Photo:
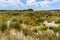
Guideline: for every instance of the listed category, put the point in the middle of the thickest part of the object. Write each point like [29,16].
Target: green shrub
[15,24]
[55,29]
[14,38]
[35,30]
[27,31]
[39,20]
[43,28]
[20,21]
[58,21]
[3,27]
[29,9]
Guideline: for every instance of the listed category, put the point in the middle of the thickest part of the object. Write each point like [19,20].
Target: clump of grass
[14,38]
[35,30]
[26,32]
[39,20]
[3,27]
[15,24]
[43,28]
[57,21]
[55,29]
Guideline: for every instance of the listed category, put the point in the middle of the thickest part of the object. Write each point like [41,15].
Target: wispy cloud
[10,4]
[47,3]
[30,2]
[15,4]
[44,3]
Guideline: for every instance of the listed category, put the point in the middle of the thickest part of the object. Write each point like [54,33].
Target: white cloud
[31,3]
[54,1]
[46,3]
[14,4]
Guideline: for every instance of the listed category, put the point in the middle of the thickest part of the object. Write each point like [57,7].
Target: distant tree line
[27,10]
[18,10]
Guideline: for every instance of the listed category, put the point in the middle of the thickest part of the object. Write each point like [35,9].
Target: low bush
[3,27]
[57,21]
[27,32]
[35,30]
[55,29]
[15,24]
[43,28]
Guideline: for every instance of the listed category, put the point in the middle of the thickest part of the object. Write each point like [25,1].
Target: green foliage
[43,28]
[58,21]
[29,9]
[3,27]
[20,21]
[31,18]
[27,31]
[55,29]
[39,20]
[14,38]
[35,30]
[15,24]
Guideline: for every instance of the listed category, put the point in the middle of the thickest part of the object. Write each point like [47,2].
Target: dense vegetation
[29,24]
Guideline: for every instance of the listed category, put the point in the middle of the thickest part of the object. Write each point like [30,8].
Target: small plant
[39,20]
[3,27]
[15,24]
[43,28]
[35,30]
[14,38]
[58,21]
[55,29]
[27,32]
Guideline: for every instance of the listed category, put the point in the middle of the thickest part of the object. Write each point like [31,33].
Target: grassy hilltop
[30,15]
[29,24]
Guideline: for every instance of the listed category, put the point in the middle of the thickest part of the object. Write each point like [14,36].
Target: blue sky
[26,4]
